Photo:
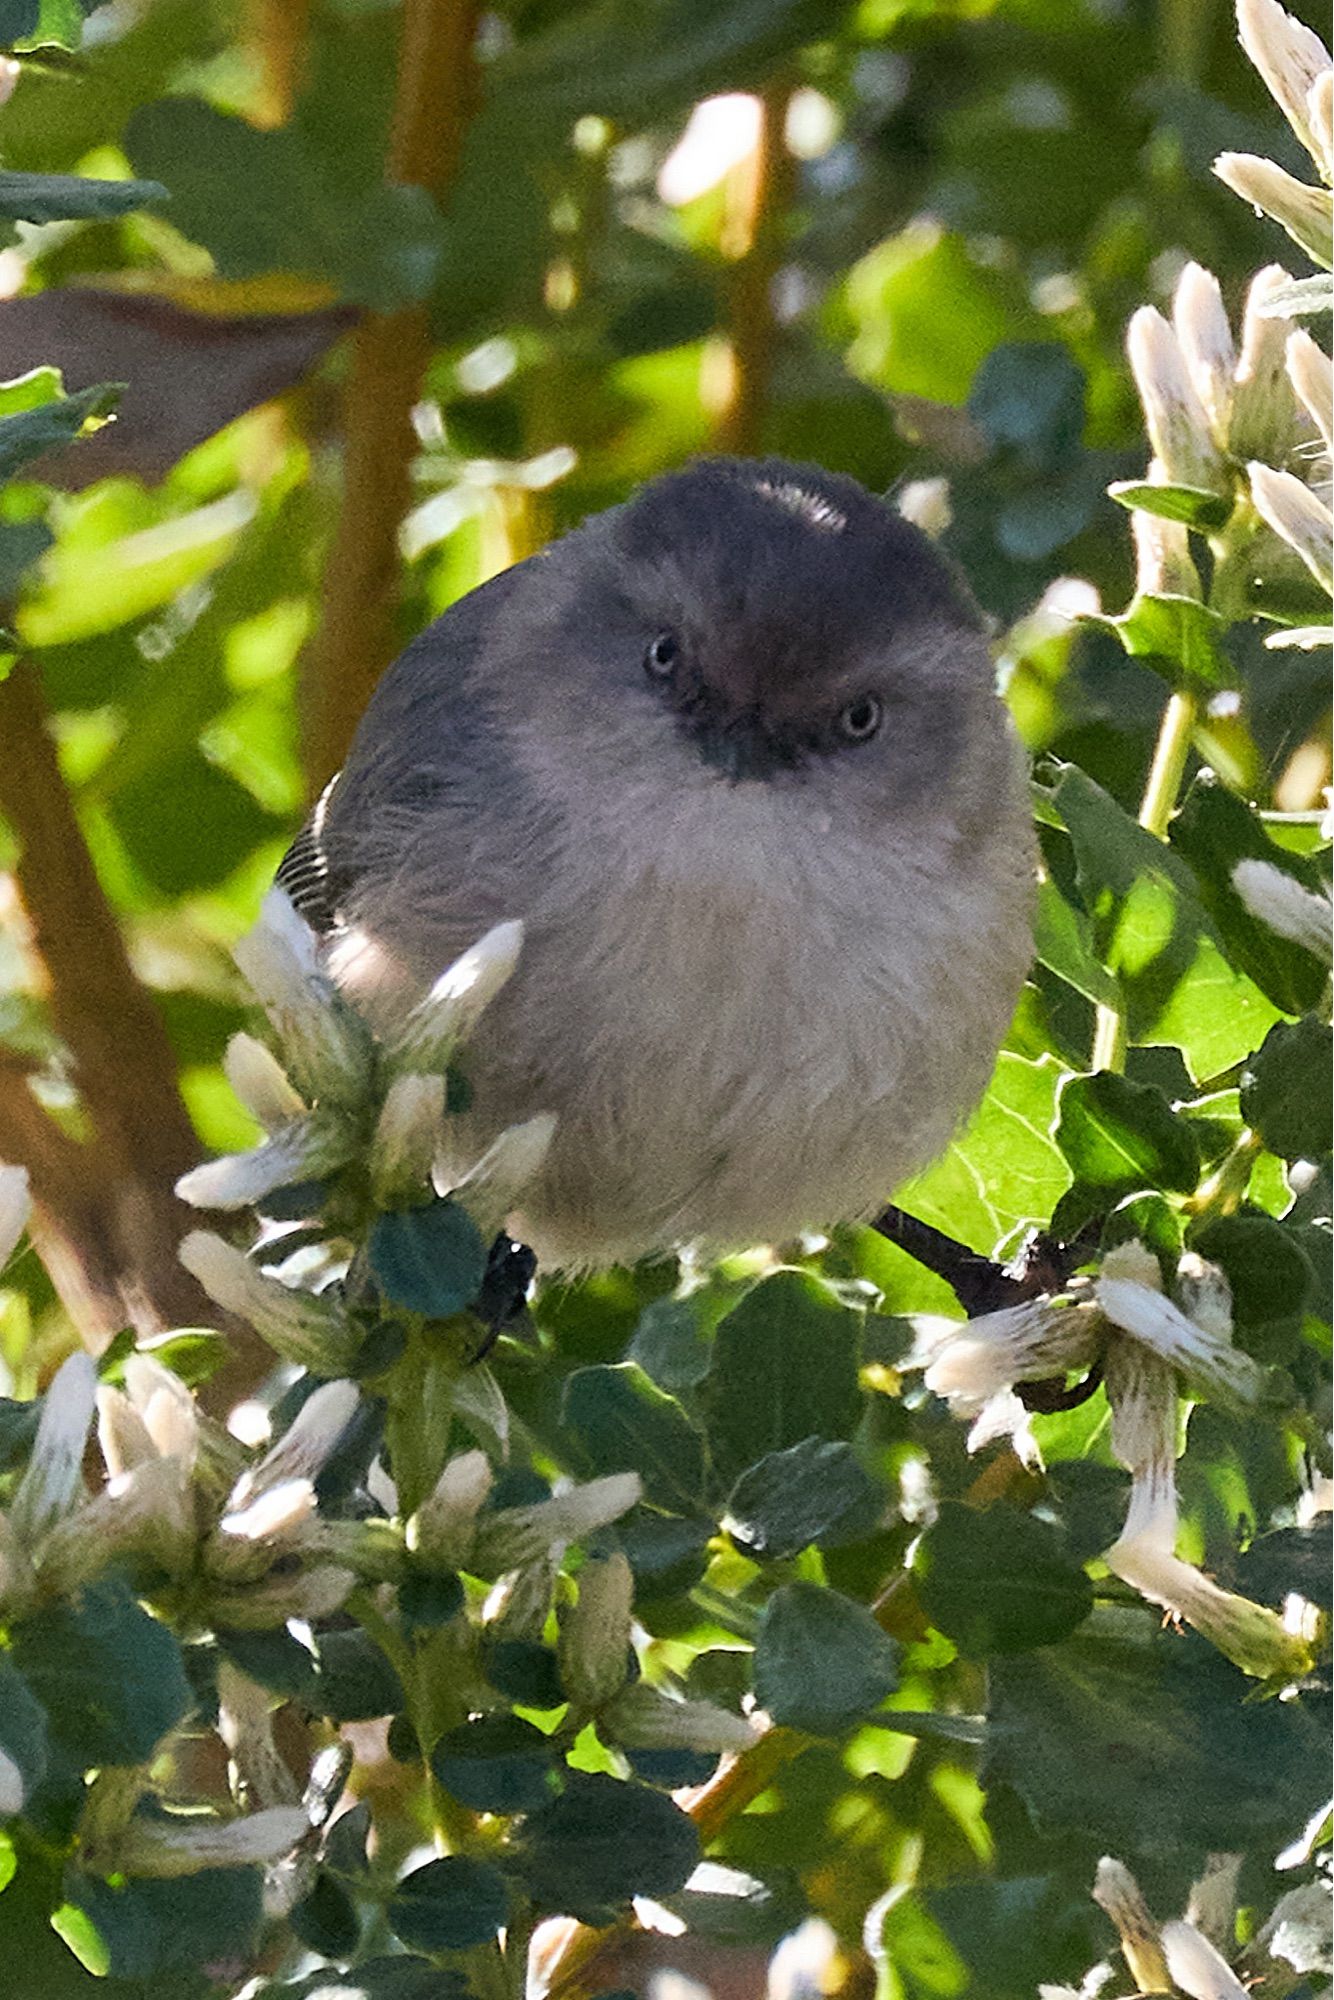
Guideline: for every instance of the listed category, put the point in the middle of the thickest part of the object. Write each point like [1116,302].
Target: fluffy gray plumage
[733,754]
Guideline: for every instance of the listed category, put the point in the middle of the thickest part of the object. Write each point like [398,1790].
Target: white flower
[14,1208]
[147,1513]
[1116,1891]
[1298,515]
[181,1844]
[312,1332]
[516,1536]
[406,1136]
[1291,59]
[641,1717]
[1164,565]
[257,1606]
[327,1047]
[460,996]
[1304,212]
[261,1082]
[52,1483]
[1127,1290]
[594,1643]
[1271,894]
[1292,1924]
[1311,374]
[1199,319]
[306,1444]
[490,1190]
[975,1364]
[1195,1966]
[1267,421]
[1174,416]
[11,1787]
[305,1150]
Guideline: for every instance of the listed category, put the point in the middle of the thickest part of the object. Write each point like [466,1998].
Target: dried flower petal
[1213,1899]
[165,1847]
[1206,1361]
[328,1049]
[1290,58]
[1267,421]
[260,1081]
[594,1644]
[407,1134]
[1304,212]
[516,1536]
[444,1525]
[1196,1968]
[312,1332]
[490,1190]
[1249,1635]
[1116,1891]
[980,1357]
[641,1717]
[1311,374]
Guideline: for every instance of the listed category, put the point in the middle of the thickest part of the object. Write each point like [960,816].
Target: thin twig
[758,230]
[390,351]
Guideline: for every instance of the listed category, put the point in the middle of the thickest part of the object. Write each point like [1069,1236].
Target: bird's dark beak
[741,749]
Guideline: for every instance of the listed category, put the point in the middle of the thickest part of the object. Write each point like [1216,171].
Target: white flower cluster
[1152,1350]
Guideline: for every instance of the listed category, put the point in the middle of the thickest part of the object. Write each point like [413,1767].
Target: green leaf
[1191,504]
[1147,1742]
[526,1671]
[342,1675]
[1287,1089]
[1120,1136]
[110,1678]
[149,1928]
[71,198]
[602,1842]
[53,422]
[1011,1935]
[1064,940]
[431,1259]
[1005,1173]
[1028,395]
[449,1905]
[23,1731]
[1270,1277]
[39,23]
[784,1369]
[1213,831]
[821,1661]
[623,1423]
[496,1764]
[21,545]
[326,1919]
[998,1581]
[1179,637]
[805,1494]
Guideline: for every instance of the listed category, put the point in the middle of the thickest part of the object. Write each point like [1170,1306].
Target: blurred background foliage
[418,288]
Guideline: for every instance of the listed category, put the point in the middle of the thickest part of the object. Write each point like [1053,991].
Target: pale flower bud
[490,1190]
[327,1047]
[1271,894]
[641,1717]
[1174,416]
[1290,58]
[260,1775]
[1311,374]
[926,503]
[443,1526]
[594,1642]
[1195,1966]
[257,1606]
[1205,338]
[312,1332]
[11,1787]
[1117,1892]
[406,1136]
[1298,515]
[517,1606]
[147,1513]
[1320,116]
[1213,1899]
[515,1536]
[51,1483]
[165,1406]
[1164,565]
[1304,212]
[306,1150]
[164,1847]
[307,1442]
[460,996]
[14,1207]
[121,1433]
[1266,420]
[260,1081]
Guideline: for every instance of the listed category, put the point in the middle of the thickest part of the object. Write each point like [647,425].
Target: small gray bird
[733,754]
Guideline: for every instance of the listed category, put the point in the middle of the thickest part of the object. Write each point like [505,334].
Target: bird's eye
[859,721]
[662,656]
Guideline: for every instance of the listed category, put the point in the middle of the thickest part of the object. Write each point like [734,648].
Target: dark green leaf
[671,1342]
[346,1678]
[37,23]
[1191,504]
[1289,1559]
[999,1581]
[326,1919]
[1146,1741]
[784,1369]
[427,1598]
[1065,945]
[622,1423]
[50,424]
[1213,831]
[345,1839]
[400,1977]
[71,198]
[431,1259]
[21,543]
[1270,1277]
[667,1552]
[449,1905]
[526,1671]
[1178,636]
[1091,1500]
[497,1764]
[18,1428]
[23,1733]
[1013,1934]
[805,1494]
[1121,1136]
[193,831]
[1287,1090]
[1029,395]
[111,1678]
[150,1928]
[821,1661]
[602,1842]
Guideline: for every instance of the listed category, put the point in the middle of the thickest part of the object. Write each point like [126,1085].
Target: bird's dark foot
[504,1289]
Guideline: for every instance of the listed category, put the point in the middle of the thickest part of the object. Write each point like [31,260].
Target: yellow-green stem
[1160,796]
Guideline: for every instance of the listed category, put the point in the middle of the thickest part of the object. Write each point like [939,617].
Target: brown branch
[755,235]
[390,351]
[107,1220]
